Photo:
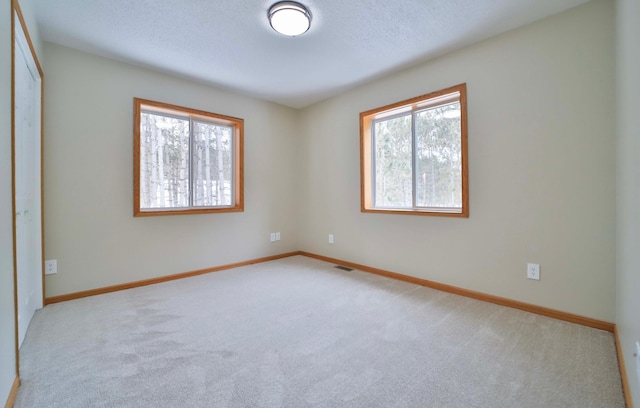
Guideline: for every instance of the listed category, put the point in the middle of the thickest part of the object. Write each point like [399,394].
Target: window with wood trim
[186,161]
[413,156]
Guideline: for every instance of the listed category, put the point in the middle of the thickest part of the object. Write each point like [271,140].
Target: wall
[7,311]
[541,169]
[628,238]
[90,228]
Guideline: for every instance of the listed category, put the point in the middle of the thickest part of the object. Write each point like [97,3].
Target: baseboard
[13,393]
[136,284]
[585,321]
[623,370]
[556,314]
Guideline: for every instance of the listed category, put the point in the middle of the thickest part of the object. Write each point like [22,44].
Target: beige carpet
[299,333]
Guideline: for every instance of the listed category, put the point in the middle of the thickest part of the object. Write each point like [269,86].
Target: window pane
[392,141]
[164,161]
[212,167]
[438,157]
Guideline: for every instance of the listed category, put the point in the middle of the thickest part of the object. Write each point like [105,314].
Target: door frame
[18,22]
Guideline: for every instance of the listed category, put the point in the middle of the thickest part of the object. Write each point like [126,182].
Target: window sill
[151,213]
[413,211]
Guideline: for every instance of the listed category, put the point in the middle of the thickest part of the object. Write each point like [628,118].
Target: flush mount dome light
[289,18]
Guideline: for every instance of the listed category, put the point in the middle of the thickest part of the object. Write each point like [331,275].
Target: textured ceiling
[229,43]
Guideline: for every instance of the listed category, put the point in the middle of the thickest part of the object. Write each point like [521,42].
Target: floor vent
[344,268]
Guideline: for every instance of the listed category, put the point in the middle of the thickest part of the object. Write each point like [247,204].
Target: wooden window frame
[237,166]
[366,158]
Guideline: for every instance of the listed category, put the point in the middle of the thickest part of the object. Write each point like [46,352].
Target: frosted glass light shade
[289,18]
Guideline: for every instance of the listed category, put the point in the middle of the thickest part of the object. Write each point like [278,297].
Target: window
[413,156]
[186,161]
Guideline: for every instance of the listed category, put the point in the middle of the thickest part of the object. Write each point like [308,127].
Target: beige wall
[7,311]
[542,181]
[628,242]
[541,166]
[88,167]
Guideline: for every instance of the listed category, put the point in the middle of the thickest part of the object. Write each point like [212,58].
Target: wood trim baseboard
[623,371]
[13,393]
[556,314]
[136,284]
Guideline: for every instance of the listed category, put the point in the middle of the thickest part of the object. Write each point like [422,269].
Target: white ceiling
[229,43]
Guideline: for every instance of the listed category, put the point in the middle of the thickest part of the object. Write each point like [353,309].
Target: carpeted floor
[299,333]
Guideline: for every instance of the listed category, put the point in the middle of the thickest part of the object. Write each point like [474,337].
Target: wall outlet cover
[638,360]
[50,267]
[533,271]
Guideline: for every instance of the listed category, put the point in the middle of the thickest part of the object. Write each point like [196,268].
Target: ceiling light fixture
[289,18]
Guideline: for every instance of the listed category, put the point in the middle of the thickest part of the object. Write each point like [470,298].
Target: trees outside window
[414,155]
[186,161]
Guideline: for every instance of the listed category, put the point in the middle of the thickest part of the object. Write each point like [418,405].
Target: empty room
[250,203]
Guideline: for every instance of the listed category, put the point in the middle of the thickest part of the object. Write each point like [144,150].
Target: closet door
[27,163]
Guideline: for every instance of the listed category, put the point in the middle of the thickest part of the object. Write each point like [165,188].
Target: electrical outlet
[272,236]
[50,267]
[331,238]
[533,271]
[277,236]
[638,360]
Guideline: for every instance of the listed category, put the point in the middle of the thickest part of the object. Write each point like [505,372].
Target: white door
[27,183]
